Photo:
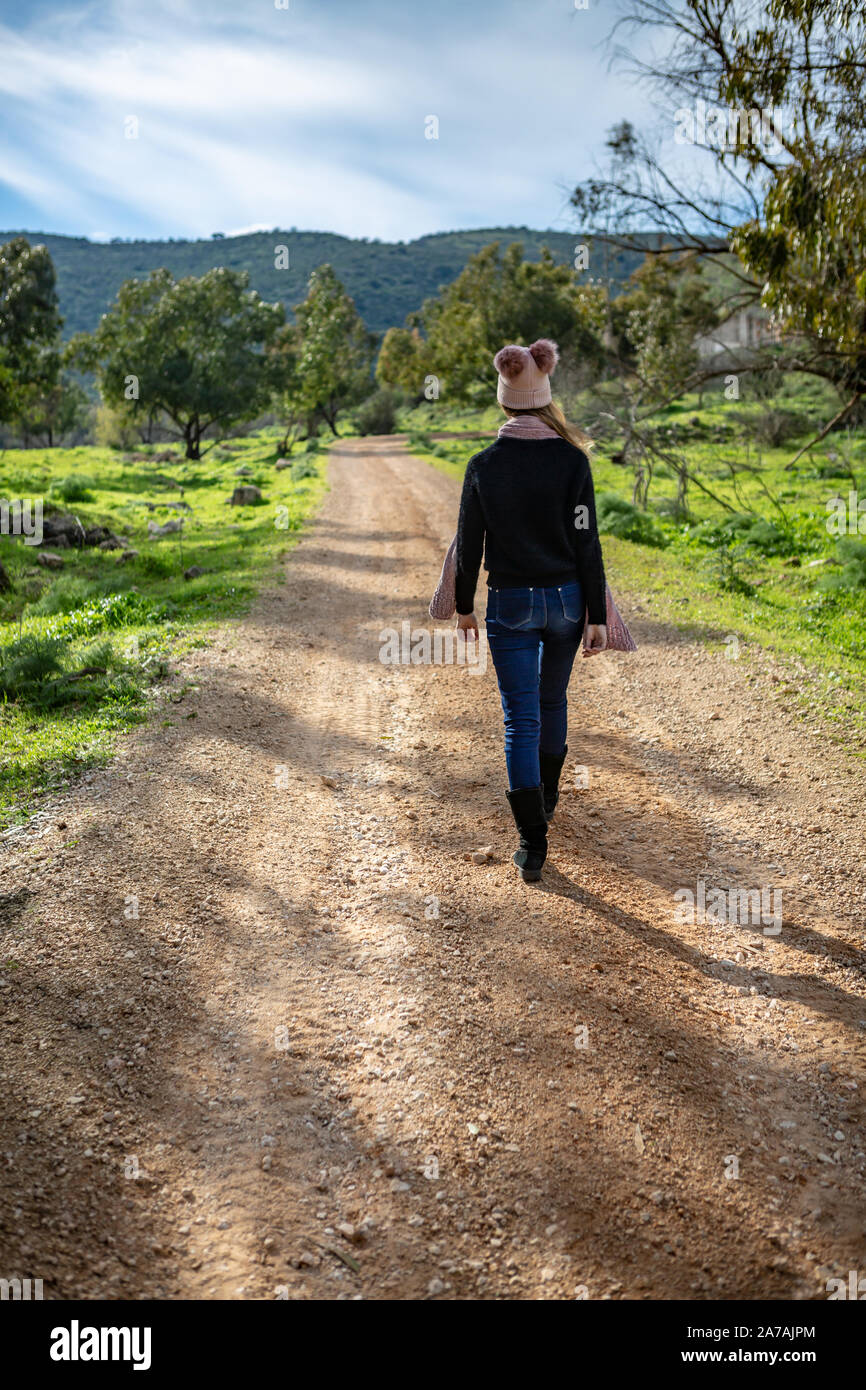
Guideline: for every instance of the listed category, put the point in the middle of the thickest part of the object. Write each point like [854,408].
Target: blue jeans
[533,636]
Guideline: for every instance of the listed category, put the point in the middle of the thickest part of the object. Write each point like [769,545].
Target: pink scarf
[526,427]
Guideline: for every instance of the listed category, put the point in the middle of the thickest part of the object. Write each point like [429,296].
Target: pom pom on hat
[510,361]
[545,354]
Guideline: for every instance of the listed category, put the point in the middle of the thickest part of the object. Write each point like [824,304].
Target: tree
[284,355]
[653,325]
[403,361]
[336,353]
[497,298]
[53,406]
[191,349]
[773,100]
[29,323]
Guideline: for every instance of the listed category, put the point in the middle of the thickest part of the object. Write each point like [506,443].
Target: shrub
[39,671]
[72,489]
[155,565]
[775,427]
[112,611]
[29,665]
[726,566]
[420,441]
[672,509]
[753,531]
[66,594]
[378,413]
[851,554]
[304,468]
[621,518]
[312,445]
[113,429]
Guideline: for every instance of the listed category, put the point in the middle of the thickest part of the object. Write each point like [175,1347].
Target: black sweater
[520,503]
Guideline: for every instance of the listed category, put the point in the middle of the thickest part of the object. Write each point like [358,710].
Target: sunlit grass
[157,613]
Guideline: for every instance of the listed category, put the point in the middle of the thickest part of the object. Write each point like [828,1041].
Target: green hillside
[387,280]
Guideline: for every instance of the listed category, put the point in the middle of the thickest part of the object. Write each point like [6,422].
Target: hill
[387,280]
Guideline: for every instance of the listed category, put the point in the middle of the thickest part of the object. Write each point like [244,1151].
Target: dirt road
[266,1032]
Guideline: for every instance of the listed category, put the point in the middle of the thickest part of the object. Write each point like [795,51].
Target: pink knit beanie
[524,374]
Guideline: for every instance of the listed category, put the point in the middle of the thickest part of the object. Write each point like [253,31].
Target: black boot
[527,807]
[551,767]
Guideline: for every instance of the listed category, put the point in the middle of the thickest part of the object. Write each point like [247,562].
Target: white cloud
[310,118]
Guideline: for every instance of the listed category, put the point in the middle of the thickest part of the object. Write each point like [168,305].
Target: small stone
[246,496]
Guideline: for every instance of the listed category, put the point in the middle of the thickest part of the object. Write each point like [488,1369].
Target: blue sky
[311,116]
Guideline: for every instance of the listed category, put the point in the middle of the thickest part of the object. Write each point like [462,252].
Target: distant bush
[304,468]
[837,468]
[775,427]
[621,518]
[851,554]
[312,446]
[113,429]
[73,489]
[672,509]
[755,532]
[728,566]
[156,565]
[378,413]
[420,440]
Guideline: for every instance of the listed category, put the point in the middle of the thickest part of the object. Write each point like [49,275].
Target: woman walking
[528,505]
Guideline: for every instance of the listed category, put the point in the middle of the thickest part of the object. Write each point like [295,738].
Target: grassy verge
[750,562]
[83,648]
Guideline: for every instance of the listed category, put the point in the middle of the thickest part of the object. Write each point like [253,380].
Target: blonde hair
[553,416]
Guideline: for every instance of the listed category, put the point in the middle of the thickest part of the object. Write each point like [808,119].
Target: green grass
[124,622]
[770,574]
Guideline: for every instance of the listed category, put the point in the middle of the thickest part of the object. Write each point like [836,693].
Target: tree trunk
[193,440]
[5,581]
[331,417]
[288,443]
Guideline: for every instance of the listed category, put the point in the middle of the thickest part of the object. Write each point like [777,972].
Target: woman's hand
[596,639]
[468,623]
